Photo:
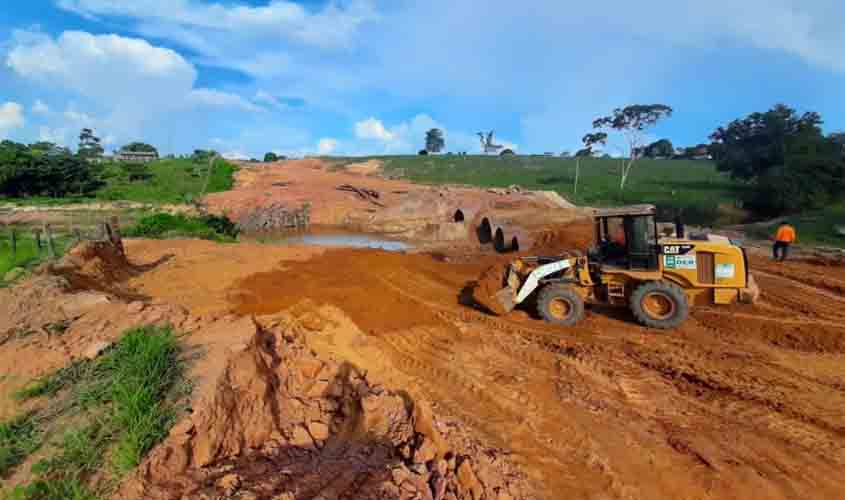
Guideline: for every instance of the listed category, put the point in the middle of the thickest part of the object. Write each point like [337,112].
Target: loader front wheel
[560,305]
[659,304]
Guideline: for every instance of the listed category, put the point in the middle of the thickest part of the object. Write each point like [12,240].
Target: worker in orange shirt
[784,237]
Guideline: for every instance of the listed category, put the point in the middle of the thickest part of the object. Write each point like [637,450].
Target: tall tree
[140,147]
[632,122]
[662,148]
[434,141]
[752,146]
[89,144]
[785,159]
[270,157]
[838,138]
[590,141]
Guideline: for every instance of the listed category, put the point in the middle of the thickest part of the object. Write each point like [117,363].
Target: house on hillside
[136,156]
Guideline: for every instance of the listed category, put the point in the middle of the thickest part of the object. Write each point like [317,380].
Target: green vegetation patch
[815,227]
[692,185]
[18,439]
[166,181]
[27,254]
[163,225]
[127,399]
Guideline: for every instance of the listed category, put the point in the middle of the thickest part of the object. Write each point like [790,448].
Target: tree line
[47,169]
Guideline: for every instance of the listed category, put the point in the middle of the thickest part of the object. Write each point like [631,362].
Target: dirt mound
[284,424]
[360,281]
[95,265]
[578,235]
[491,282]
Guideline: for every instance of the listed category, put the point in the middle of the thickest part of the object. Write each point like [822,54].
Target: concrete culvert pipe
[459,216]
[499,241]
[485,232]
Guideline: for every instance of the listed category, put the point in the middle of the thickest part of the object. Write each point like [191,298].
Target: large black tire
[560,305]
[660,304]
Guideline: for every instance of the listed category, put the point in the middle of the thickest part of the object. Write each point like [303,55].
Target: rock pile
[283,424]
[275,217]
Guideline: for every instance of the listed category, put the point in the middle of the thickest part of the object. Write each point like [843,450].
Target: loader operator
[784,237]
[614,243]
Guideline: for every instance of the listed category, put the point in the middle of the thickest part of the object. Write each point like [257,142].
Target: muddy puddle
[348,240]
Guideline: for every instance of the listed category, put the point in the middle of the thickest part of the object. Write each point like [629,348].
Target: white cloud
[217,98]
[409,137]
[11,117]
[125,84]
[371,128]
[327,146]
[39,108]
[235,155]
[210,27]
[56,136]
[80,118]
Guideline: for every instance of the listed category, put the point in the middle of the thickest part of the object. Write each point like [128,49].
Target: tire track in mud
[644,389]
[535,429]
[749,393]
[804,274]
[794,295]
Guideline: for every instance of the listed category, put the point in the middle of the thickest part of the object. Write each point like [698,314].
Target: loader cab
[627,238]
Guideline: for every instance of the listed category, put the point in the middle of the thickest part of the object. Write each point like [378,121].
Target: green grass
[27,255]
[816,227]
[127,396]
[171,181]
[163,225]
[695,186]
[18,439]
[50,385]
[146,367]
[52,489]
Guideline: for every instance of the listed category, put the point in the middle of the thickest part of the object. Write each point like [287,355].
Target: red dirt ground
[741,402]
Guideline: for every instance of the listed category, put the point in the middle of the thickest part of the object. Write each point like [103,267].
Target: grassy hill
[165,181]
[695,186]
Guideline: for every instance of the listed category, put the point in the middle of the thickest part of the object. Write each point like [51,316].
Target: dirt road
[741,402]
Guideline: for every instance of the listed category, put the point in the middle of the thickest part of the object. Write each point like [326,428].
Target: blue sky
[370,76]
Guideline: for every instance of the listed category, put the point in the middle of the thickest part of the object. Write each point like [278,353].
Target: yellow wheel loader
[659,279]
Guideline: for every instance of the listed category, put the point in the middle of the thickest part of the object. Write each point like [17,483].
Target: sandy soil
[741,399]
[412,211]
[741,402]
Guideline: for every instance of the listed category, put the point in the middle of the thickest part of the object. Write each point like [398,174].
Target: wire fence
[27,246]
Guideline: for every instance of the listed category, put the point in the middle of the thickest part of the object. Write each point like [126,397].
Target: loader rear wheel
[659,304]
[560,305]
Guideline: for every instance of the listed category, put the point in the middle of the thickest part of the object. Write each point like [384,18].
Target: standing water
[340,240]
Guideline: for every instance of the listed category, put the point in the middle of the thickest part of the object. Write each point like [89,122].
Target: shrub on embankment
[163,225]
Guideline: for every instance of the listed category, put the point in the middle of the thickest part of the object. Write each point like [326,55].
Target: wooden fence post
[14,241]
[36,234]
[51,247]
[117,238]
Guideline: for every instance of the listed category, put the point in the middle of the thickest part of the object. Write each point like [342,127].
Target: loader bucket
[497,289]
[506,297]
[751,293]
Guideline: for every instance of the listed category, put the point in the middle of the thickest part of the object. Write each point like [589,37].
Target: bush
[24,172]
[423,152]
[210,227]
